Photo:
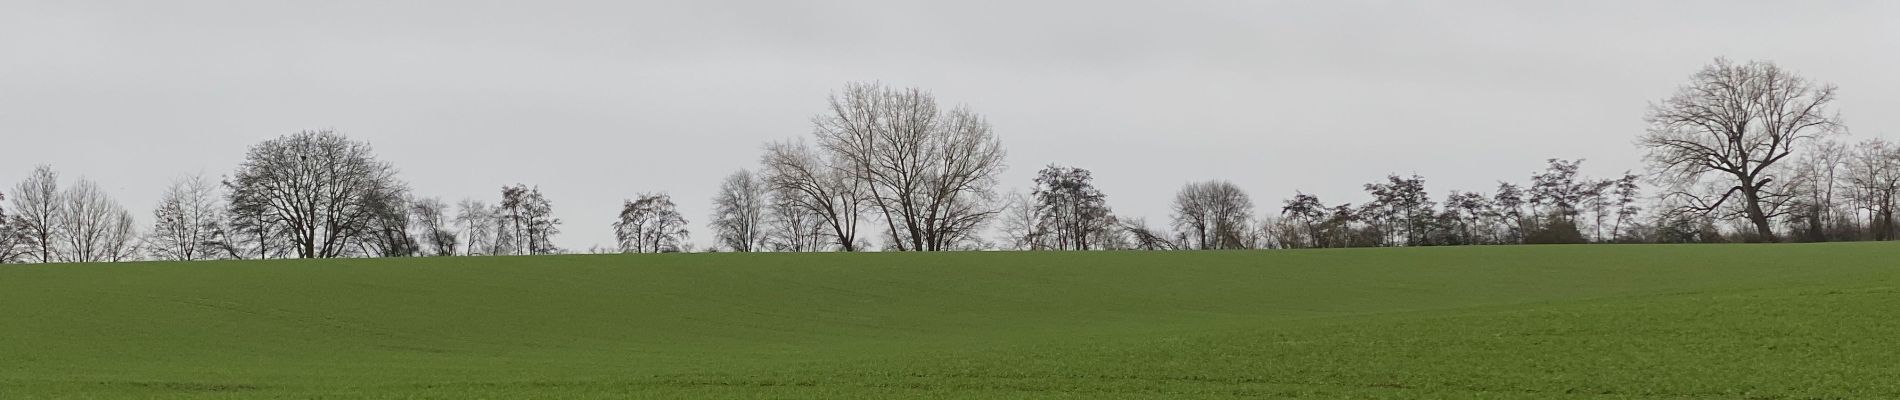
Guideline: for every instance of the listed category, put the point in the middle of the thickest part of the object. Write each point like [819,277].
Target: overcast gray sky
[596,101]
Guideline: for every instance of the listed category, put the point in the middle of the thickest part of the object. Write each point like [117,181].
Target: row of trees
[75,224]
[1740,153]
[1558,206]
[1743,152]
[313,194]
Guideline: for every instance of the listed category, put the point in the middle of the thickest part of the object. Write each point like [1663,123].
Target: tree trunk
[1883,230]
[1752,199]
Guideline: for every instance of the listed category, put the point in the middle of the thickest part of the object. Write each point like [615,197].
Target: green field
[1521,322]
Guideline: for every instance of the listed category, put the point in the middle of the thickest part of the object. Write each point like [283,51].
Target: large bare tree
[1718,140]
[93,227]
[1213,215]
[818,185]
[738,218]
[930,172]
[322,189]
[185,224]
[36,210]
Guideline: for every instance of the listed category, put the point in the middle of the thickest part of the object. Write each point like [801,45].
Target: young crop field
[1518,322]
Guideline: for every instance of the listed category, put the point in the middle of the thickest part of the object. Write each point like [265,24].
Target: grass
[1522,322]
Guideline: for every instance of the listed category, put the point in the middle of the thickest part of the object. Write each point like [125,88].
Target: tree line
[311,194]
[1743,152]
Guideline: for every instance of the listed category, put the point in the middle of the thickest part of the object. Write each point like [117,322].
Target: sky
[596,102]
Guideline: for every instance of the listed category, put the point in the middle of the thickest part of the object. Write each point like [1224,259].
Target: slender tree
[1022,226]
[1508,210]
[538,212]
[430,222]
[37,208]
[1627,190]
[1821,187]
[186,222]
[11,242]
[512,221]
[479,225]
[1307,215]
[1875,174]
[738,219]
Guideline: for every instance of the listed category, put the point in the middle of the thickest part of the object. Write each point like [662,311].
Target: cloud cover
[596,101]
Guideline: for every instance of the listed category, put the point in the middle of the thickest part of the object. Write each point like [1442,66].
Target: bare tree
[526,222]
[1818,175]
[1627,191]
[1720,136]
[1022,226]
[651,224]
[250,229]
[323,188]
[1560,189]
[792,227]
[1306,217]
[11,242]
[1471,208]
[1148,238]
[1071,211]
[1874,171]
[512,221]
[1507,208]
[186,222]
[37,208]
[479,224]
[428,216]
[541,224]
[93,227]
[387,230]
[1213,215]
[1401,210]
[930,173]
[820,185]
[1558,197]
[738,219]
